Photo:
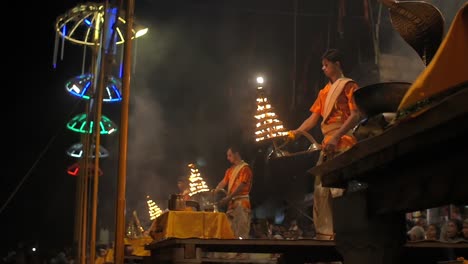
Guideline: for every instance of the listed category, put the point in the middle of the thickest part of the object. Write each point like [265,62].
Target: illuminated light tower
[153,209]
[99,27]
[196,182]
[268,126]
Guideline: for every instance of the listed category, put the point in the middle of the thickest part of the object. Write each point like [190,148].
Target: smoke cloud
[179,110]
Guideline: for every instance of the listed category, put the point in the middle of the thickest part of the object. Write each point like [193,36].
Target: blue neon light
[85,89]
[88,22]
[79,86]
[110,37]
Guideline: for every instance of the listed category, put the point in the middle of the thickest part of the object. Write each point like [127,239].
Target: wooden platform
[424,158]
[416,164]
[433,252]
[194,250]
[292,251]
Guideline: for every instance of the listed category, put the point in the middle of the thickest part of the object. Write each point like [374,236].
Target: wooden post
[97,133]
[122,173]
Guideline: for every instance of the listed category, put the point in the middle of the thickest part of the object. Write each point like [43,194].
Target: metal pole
[84,175]
[293,101]
[78,215]
[122,174]
[97,122]
[374,32]
[78,218]
[85,168]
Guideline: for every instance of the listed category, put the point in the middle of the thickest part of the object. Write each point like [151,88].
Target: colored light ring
[81,23]
[76,151]
[81,86]
[81,125]
[74,169]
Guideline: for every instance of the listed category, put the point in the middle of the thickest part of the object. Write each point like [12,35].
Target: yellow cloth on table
[138,245]
[191,224]
[448,68]
[109,258]
[100,260]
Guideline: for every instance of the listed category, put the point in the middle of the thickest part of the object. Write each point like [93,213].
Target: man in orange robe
[238,180]
[336,107]
[184,188]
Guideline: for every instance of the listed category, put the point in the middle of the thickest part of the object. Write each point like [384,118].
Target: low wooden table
[191,224]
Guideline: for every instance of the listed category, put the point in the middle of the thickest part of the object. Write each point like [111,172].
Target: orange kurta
[244,176]
[186,195]
[340,113]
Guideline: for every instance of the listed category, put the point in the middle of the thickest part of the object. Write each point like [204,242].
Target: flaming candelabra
[153,209]
[134,228]
[268,125]
[197,184]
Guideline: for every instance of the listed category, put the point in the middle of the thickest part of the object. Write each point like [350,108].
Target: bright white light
[33,249]
[260,80]
[75,88]
[141,32]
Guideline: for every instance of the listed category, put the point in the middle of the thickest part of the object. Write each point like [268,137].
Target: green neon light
[81,125]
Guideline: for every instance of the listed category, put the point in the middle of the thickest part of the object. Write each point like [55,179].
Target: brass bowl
[380,98]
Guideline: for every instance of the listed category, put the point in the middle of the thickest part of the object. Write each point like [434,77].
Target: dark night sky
[192,95]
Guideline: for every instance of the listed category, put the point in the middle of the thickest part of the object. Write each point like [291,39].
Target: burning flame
[196,182]
[268,125]
[153,210]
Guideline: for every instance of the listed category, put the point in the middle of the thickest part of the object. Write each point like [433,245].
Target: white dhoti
[322,214]
[239,217]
